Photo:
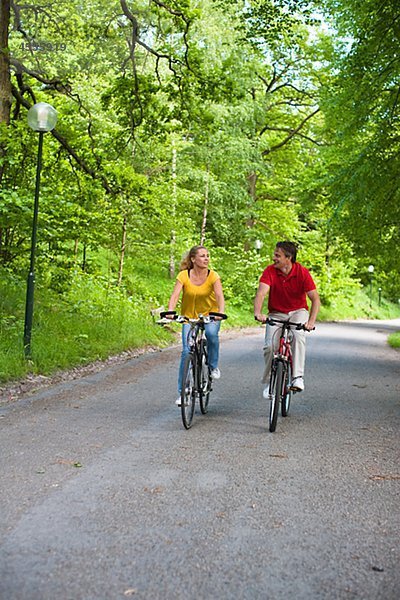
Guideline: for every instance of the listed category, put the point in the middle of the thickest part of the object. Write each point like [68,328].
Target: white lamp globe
[42,117]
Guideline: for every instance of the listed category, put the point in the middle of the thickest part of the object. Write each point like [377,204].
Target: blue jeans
[211,331]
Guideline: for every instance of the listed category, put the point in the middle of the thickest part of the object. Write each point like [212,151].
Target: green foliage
[360,306]
[240,122]
[394,339]
[362,114]
[93,318]
[90,321]
[239,272]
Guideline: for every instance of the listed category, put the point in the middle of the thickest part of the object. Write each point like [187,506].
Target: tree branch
[66,145]
[291,134]
[55,84]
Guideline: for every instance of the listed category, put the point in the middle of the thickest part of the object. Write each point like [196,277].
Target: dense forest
[184,121]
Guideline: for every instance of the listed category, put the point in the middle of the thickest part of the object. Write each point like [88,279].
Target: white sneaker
[215,373]
[179,403]
[266,393]
[297,384]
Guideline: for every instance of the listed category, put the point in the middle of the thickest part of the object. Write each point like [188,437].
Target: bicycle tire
[204,378]
[287,392]
[275,397]
[188,394]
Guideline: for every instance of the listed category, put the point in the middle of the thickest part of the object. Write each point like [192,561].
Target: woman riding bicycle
[202,294]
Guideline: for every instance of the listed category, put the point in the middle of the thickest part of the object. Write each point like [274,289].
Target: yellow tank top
[198,299]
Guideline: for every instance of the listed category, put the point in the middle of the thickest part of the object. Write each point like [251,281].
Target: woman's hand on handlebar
[169,314]
[217,316]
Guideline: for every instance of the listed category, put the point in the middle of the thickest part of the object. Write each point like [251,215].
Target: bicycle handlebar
[222,316]
[298,326]
[183,319]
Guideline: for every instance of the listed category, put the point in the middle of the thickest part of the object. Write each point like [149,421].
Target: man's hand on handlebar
[309,326]
[261,318]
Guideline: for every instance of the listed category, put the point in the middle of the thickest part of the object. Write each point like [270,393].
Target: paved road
[106,496]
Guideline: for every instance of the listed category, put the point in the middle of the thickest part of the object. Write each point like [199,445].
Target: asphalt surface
[106,496]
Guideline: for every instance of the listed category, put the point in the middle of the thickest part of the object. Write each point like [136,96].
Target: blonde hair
[187,260]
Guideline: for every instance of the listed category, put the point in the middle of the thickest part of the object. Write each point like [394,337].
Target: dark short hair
[289,249]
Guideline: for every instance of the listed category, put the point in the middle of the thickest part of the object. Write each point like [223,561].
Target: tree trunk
[205,207]
[173,237]
[123,246]
[252,184]
[252,180]
[84,258]
[5,81]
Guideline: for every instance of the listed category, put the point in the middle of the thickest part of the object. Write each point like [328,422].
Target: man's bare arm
[315,306]
[262,292]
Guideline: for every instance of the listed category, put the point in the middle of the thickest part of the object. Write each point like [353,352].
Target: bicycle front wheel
[188,394]
[286,392]
[204,379]
[275,397]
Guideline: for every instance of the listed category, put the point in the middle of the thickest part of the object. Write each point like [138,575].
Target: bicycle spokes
[188,395]
[204,383]
[286,393]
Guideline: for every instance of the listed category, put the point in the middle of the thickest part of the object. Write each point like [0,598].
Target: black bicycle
[197,381]
[280,390]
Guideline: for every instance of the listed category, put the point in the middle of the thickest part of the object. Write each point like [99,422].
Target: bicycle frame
[195,338]
[195,335]
[281,370]
[197,381]
[196,370]
[284,352]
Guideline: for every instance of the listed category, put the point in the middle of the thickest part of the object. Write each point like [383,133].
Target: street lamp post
[258,245]
[42,117]
[370,271]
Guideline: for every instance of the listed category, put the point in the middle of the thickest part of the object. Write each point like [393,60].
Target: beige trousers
[271,342]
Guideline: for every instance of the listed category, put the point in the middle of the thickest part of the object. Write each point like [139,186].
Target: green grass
[61,341]
[93,320]
[88,324]
[394,339]
[359,306]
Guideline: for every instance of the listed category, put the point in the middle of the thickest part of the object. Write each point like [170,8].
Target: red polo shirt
[287,292]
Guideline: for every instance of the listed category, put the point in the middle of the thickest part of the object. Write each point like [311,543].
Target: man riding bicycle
[288,284]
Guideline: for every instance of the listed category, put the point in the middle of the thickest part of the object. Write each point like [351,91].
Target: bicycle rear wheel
[287,392]
[204,379]
[275,397]
[188,394]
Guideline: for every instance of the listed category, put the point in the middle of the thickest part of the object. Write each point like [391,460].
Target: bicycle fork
[274,367]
